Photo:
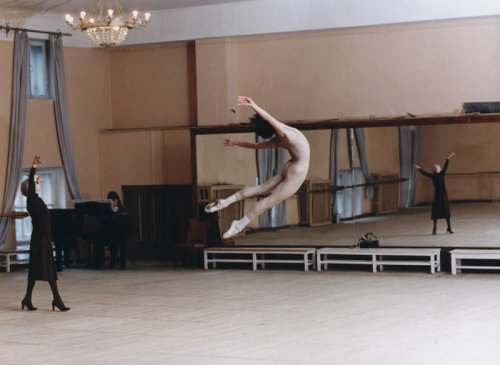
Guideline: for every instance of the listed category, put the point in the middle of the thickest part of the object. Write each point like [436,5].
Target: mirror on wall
[472,182]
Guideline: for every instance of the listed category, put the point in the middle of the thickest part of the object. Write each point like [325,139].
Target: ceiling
[180,20]
[74,6]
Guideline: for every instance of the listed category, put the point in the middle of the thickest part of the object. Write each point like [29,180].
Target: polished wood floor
[474,224]
[152,314]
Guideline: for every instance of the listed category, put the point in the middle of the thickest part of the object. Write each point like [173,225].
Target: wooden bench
[260,256]
[473,254]
[377,257]
[7,258]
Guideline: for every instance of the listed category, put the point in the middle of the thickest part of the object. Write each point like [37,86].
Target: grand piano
[91,221]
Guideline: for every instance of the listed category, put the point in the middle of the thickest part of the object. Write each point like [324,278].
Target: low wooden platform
[378,257]
[458,255]
[260,256]
[10,258]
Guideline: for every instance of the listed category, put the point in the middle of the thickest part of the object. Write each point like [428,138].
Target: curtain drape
[20,78]
[334,169]
[359,135]
[409,154]
[269,163]
[62,115]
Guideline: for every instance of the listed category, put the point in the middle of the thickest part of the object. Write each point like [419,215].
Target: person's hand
[451,155]
[416,166]
[229,142]
[243,100]
[36,160]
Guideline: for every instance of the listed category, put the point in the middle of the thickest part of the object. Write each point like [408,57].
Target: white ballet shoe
[236,227]
[213,207]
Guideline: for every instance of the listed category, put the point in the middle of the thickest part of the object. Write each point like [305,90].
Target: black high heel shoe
[448,230]
[28,305]
[60,306]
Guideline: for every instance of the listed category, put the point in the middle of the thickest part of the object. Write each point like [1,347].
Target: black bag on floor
[369,240]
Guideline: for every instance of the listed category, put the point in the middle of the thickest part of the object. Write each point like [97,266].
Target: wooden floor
[152,314]
[474,225]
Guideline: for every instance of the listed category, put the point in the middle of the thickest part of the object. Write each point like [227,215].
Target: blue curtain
[410,138]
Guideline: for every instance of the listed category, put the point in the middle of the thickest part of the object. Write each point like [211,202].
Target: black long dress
[42,265]
[440,205]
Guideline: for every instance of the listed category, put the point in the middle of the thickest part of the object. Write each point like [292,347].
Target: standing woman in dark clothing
[42,265]
[440,206]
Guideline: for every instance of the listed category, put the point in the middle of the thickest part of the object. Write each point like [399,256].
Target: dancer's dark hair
[262,127]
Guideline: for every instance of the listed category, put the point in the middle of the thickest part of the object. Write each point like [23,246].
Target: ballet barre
[473,254]
[377,258]
[260,256]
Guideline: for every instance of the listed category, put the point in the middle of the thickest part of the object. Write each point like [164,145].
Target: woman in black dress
[42,265]
[440,206]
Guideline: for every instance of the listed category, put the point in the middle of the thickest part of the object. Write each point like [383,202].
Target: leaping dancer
[279,187]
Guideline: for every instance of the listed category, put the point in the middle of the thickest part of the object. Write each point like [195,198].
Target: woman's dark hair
[114,195]
[262,127]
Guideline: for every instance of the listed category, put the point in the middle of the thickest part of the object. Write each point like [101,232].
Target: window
[349,201]
[52,191]
[40,70]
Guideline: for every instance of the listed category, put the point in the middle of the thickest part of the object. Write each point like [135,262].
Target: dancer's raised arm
[279,127]
[228,142]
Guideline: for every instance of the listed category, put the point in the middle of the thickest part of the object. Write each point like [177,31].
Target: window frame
[48,91]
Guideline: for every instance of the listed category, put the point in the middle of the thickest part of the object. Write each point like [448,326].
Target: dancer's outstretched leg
[434,227]
[246,192]
[283,191]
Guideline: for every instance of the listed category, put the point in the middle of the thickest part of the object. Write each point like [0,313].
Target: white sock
[220,204]
[236,227]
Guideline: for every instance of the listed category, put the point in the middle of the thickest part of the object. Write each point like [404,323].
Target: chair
[196,240]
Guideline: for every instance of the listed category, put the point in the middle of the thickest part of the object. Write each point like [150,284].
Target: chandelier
[106,24]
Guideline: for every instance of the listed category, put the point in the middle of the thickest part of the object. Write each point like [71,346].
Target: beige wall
[477,150]
[386,70]
[151,86]
[148,157]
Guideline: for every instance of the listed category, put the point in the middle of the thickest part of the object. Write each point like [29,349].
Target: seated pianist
[105,223]
[115,233]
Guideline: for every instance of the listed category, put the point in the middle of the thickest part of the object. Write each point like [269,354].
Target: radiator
[314,203]
[386,195]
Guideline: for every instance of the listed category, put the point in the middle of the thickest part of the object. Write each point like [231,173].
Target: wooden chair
[196,240]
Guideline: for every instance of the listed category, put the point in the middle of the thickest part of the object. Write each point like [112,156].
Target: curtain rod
[8,28]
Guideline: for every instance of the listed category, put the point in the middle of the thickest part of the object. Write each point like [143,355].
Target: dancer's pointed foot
[448,230]
[60,305]
[236,227]
[434,231]
[214,207]
[27,303]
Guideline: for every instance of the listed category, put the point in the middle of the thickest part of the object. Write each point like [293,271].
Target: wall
[153,86]
[145,157]
[477,151]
